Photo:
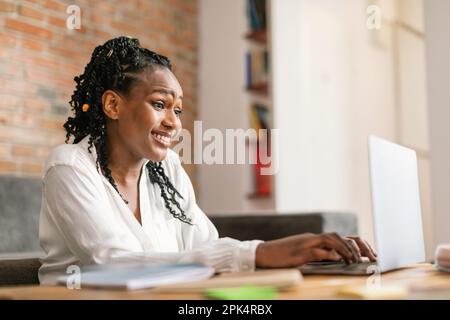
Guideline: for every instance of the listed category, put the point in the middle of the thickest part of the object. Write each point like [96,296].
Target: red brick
[49,123]
[23,150]
[126,29]
[18,119]
[36,61]
[47,63]
[37,76]
[57,22]
[12,69]
[101,34]
[54,5]
[4,150]
[70,49]
[32,45]
[145,6]
[7,40]
[99,18]
[7,6]
[108,8]
[27,28]
[5,54]
[71,68]
[34,168]
[8,102]
[190,6]
[29,151]
[7,166]
[36,105]
[31,13]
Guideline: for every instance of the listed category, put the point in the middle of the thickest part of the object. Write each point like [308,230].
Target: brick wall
[39,57]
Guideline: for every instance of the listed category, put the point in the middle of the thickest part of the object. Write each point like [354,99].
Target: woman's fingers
[373,254]
[355,248]
[365,248]
[371,248]
[352,247]
[319,254]
[333,241]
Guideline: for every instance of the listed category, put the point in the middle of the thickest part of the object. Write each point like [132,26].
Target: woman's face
[149,117]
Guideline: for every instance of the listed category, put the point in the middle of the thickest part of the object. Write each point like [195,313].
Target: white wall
[437,28]
[333,85]
[412,101]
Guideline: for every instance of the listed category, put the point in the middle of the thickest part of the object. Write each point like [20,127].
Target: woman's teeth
[161,138]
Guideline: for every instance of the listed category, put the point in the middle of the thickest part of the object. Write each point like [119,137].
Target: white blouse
[84,220]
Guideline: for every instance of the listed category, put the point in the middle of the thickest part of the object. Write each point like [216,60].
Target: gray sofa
[274,226]
[20,199]
[19,217]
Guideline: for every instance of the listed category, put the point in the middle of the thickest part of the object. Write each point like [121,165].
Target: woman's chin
[157,155]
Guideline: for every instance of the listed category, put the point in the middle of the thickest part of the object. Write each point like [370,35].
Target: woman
[118,193]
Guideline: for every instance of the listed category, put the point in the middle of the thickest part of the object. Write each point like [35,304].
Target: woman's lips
[162,138]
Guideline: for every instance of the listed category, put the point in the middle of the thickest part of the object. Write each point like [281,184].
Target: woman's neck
[125,166]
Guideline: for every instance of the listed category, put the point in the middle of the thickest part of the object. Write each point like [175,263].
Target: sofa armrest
[19,268]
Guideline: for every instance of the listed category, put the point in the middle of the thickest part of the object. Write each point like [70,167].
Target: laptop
[397,217]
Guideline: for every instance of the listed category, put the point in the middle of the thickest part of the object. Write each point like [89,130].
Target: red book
[262,182]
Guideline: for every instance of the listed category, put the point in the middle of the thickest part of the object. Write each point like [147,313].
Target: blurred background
[324,73]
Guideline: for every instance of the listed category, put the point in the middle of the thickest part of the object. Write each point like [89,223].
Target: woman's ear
[111,102]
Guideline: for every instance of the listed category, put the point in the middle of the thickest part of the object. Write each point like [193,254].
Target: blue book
[248,69]
[254,21]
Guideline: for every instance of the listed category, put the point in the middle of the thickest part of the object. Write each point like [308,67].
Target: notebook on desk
[137,276]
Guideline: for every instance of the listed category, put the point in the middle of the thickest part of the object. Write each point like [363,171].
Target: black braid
[157,175]
[113,66]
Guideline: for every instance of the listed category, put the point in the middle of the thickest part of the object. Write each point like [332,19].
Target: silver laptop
[397,217]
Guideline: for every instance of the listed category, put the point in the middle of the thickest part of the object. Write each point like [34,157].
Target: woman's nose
[170,119]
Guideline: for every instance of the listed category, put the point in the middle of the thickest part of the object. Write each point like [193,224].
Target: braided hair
[114,66]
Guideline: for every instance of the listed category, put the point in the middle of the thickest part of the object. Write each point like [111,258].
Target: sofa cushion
[20,198]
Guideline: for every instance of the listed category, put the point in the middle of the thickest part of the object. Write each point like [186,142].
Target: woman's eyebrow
[167,92]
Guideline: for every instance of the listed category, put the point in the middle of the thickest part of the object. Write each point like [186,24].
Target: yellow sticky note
[383,292]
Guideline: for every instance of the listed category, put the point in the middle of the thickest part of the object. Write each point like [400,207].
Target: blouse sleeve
[80,211]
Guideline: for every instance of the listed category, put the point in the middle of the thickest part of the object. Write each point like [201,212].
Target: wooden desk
[422,280]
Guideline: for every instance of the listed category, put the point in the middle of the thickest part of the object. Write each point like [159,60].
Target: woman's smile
[162,138]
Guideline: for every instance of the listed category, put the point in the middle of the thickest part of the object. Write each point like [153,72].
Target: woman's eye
[178,112]
[158,105]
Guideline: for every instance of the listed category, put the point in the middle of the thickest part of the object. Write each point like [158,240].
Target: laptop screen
[396,204]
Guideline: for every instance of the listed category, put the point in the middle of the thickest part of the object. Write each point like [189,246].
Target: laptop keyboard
[364,268]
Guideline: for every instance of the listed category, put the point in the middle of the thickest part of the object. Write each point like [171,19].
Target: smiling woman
[119,194]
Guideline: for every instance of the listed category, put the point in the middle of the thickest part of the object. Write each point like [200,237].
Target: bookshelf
[257,77]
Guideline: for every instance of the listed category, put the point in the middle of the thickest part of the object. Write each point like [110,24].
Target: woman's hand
[363,248]
[297,250]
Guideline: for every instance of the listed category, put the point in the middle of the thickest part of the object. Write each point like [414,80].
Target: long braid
[113,66]
[168,191]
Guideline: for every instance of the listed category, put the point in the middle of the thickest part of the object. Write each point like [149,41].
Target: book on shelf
[256,13]
[259,118]
[262,183]
[257,69]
